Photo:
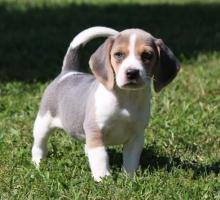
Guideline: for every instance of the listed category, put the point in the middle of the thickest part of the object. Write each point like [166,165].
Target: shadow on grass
[33,42]
[152,161]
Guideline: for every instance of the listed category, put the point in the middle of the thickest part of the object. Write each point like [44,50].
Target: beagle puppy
[110,107]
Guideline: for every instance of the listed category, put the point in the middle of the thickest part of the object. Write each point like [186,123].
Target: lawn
[181,158]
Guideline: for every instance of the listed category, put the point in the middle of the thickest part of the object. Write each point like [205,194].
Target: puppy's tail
[71,61]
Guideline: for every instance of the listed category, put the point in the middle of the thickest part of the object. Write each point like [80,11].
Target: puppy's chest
[121,120]
[121,125]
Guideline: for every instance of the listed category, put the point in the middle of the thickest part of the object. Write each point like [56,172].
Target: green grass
[181,158]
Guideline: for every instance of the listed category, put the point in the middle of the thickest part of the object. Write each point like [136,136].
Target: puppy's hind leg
[41,131]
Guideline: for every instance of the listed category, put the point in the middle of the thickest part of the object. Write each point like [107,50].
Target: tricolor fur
[110,107]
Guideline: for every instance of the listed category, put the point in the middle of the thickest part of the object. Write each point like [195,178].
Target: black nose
[132,73]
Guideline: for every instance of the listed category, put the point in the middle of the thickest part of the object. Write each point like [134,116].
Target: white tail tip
[90,33]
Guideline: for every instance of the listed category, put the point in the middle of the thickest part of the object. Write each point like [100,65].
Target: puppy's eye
[119,56]
[147,56]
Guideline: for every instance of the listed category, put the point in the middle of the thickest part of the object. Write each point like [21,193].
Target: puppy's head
[131,58]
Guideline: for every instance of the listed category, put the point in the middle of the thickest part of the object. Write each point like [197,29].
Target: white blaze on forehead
[131,47]
[130,62]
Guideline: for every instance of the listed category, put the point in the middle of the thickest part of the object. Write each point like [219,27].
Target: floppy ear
[100,64]
[167,66]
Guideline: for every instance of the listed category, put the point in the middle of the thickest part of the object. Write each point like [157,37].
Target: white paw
[99,175]
[37,155]
[36,161]
[98,161]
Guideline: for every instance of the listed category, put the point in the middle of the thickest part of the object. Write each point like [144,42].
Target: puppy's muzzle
[134,79]
[132,74]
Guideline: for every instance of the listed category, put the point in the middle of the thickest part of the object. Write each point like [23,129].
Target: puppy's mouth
[133,84]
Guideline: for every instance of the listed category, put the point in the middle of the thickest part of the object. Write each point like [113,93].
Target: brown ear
[100,64]
[167,66]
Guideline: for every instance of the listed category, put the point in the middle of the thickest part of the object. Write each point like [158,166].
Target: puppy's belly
[75,132]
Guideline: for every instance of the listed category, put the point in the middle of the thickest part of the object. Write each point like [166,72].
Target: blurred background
[35,34]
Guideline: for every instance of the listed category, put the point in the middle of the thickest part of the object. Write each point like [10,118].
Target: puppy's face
[131,58]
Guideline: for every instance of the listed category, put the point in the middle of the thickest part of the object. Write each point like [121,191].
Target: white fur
[41,131]
[99,163]
[130,62]
[68,75]
[105,105]
[107,109]
[91,33]
[56,123]
[111,114]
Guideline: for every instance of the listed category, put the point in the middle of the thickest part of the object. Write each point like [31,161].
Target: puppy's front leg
[98,157]
[131,153]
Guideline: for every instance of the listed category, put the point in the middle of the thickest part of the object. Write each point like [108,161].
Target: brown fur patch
[145,43]
[120,45]
[94,139]
[100,64]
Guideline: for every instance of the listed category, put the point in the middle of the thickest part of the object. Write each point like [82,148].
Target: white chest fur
[120,116]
